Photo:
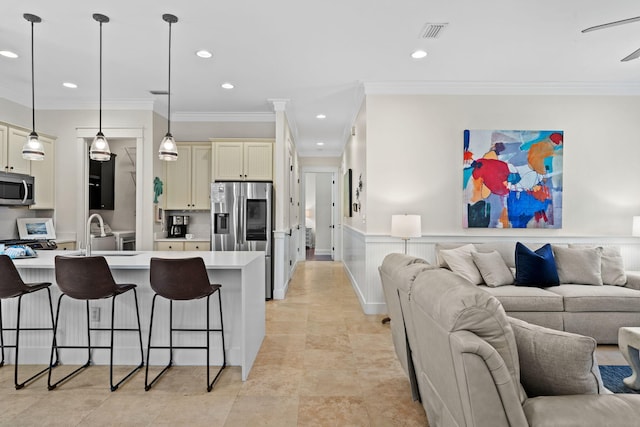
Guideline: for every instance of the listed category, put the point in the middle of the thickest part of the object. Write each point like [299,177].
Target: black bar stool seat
[183,279]
[89,278]
[12,286]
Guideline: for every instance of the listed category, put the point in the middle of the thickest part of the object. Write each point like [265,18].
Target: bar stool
[86,279]
[182,279]
[11,286]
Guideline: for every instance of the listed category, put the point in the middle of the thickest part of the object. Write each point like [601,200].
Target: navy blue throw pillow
[536,268]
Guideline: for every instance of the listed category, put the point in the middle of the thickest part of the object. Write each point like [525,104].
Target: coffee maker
[178,225]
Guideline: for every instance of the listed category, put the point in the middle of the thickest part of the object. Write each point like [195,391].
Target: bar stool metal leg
[89,347]
[52,363]
[207,331]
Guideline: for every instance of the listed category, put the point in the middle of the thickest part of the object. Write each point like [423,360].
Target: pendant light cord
[33,90]
[100,106]
[169,94]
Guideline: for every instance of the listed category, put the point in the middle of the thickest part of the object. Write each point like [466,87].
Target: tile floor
[322,363]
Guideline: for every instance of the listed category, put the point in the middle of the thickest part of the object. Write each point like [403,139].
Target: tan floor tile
[328,359]
[60,408]
[205,409]
[263,411]
[329,382]
[334,342]
[332,411]
[272,381]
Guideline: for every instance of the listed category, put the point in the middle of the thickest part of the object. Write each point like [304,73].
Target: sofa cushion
[612,265]
[460,261]
[493,269]
[554,363]
[578,265]
[535,268]
[583,298]
[523,298]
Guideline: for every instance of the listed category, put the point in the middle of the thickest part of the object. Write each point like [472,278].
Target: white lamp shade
[33,148]
[635,229]
[168,150]
[100,150]
[406,226]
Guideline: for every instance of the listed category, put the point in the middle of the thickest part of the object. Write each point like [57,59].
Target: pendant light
[168,150]
[100,147]
[32,148]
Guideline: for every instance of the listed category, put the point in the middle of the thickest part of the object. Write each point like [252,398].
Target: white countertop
[138,260]
[182,239]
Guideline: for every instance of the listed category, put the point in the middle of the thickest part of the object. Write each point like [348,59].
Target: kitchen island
[241,274]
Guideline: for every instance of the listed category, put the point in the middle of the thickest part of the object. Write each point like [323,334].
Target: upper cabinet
[246,160]
[188,179]
[12,139]
[13,161]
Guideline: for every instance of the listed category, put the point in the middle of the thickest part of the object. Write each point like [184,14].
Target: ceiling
[314,54]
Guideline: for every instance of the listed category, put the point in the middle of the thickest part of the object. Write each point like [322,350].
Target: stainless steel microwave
[16,189]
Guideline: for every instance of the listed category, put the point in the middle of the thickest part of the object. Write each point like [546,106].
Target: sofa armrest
[583,410]
[633,280]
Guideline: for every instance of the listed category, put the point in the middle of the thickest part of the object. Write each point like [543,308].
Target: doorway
[128,142]
[319,208]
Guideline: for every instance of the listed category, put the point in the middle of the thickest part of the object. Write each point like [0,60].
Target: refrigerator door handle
[241,223]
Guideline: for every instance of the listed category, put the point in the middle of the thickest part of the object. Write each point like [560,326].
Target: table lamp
[406,226]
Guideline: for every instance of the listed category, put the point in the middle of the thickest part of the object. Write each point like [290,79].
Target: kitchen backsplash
[199,223]
[9,215]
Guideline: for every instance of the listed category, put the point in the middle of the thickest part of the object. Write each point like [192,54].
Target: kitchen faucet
[88,232]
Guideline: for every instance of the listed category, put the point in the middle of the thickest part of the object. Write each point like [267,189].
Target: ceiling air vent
[432,31]
[158,92]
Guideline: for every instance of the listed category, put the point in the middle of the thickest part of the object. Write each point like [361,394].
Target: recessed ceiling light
[8,54]
[70,85]
[204,54]
[227,85]
[419,54]
[320,143]
[321,116]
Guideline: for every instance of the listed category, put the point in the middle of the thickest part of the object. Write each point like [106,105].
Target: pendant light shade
[168,150]
[32,148]
[100,147]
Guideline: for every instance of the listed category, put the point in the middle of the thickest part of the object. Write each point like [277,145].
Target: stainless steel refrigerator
[242,220]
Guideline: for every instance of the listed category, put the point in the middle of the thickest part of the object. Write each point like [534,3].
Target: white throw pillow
[493,269]
[581,266]
[461,262]
[612,267]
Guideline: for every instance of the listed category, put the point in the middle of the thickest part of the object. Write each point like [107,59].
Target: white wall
[412,151]
[323,213]
[414,158]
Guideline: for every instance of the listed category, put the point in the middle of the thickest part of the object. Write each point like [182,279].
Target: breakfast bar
[241,274]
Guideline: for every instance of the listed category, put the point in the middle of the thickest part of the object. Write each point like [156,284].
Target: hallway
[322,363]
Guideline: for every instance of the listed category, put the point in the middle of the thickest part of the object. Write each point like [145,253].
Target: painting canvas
[512,178]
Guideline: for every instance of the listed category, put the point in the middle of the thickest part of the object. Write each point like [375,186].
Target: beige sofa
[475,366]
[596,311]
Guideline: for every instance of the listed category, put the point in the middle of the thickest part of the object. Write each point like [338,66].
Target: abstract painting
[512,178]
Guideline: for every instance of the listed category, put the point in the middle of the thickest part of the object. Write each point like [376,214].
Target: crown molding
[501,88]
[116,104]
[195,116]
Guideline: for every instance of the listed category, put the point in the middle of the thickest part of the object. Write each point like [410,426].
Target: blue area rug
[612,377]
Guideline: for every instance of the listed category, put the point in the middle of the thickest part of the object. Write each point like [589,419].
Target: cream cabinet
[249,160]
[183,246]
[13,152]
[12,140]
[187,180]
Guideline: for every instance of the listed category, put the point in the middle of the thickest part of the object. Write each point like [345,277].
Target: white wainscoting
[363,254]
